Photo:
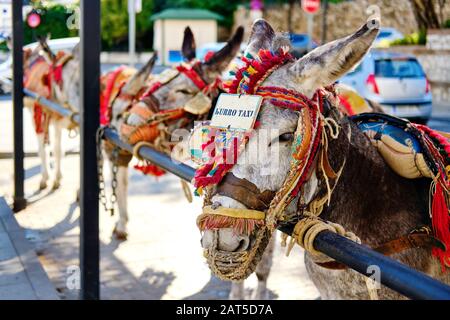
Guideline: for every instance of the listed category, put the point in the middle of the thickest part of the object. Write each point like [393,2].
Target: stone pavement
[162,258]
[21,275]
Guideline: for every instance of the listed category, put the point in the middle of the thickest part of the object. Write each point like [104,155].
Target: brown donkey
[344,179]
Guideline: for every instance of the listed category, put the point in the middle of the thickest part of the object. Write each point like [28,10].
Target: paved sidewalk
[162,258]
[21,274]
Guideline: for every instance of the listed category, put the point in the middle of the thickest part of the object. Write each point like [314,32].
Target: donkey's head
[289,124]
[181,89]
[31,55]
[175,87]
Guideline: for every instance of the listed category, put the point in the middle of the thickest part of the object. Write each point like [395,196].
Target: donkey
[64,90]
[37,67]
[172,95]
[365,197]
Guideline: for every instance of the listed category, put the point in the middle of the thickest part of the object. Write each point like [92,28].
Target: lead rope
[101,179]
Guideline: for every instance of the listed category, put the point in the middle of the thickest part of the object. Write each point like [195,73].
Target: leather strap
[410,241]
[245,192]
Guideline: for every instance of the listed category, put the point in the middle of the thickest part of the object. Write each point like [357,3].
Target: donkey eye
[286,137]
[184,91]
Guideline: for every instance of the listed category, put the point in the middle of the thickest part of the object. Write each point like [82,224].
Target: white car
[396,81]
[64,44]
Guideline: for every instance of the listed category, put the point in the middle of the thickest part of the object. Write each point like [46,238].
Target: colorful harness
[41,116]
[153,131]
[306,143]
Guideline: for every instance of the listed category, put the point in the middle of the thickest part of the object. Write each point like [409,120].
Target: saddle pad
[401,150]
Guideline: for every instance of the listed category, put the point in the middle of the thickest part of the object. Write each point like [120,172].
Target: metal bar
[19,172]
[399,277]
[90,100]
[162,160]
[48,104]
[52,106]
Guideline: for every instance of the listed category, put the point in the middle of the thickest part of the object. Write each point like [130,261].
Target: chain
[101,178]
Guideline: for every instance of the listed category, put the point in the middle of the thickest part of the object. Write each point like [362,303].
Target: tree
[54,19]
[225,8]
[114,24]
[425,13]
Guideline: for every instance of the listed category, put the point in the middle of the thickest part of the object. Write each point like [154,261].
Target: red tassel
[150,169]
[441,224]
[38,117]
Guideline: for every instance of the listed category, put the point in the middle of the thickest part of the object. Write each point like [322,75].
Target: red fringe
[239,225]
[106,95]
[151,170]
[39,118]
[441,224]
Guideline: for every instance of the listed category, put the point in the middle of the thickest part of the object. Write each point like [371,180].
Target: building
[169,28]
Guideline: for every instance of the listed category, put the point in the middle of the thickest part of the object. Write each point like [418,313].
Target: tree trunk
[324,21]
[425,13]
[291,9]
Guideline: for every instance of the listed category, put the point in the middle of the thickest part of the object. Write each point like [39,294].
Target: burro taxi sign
[311,6]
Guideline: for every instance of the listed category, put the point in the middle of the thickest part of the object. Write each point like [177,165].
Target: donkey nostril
[227,240]
[244,244]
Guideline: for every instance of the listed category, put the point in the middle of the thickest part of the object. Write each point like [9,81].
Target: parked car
[387,35]
[396,81]
[300,44]
[64,44]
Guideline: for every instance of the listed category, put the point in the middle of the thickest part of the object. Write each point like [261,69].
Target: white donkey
[53,77]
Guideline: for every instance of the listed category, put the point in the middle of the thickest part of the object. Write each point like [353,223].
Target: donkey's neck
[370,199]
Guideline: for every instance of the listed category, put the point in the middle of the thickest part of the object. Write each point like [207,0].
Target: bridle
[306,148]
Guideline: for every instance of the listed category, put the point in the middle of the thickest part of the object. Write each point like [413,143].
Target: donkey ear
[76,51]
[48,53]
[139,78]
[326,64]
[222,58]
[188,47]
[261,37]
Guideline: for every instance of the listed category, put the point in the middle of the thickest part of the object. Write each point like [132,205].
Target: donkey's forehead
[181,81]
[272,117]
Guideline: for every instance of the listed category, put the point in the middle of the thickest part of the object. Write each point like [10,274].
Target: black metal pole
[401,278]
[90,120]
[404,280]
[19,173]
[162,160]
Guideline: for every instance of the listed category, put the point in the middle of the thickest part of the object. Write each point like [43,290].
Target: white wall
[169,34]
